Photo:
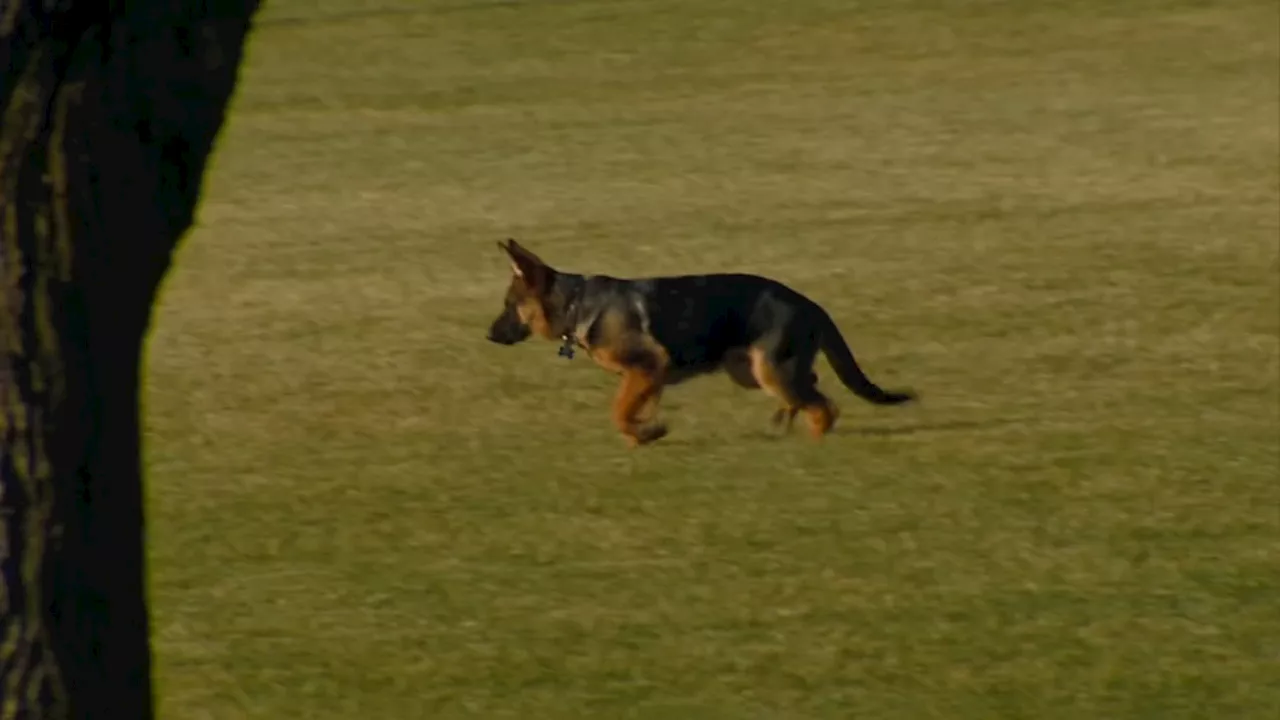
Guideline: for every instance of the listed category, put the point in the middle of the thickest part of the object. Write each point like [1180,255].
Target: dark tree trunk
[109,110]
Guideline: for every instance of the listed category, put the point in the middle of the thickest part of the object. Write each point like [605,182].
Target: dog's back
[699,318]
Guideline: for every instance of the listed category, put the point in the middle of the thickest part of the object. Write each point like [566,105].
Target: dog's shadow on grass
[850,430]
[926,427]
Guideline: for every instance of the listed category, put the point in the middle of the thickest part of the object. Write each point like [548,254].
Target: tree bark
[109,110]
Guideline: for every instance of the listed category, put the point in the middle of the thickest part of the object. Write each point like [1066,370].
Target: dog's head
[525,310]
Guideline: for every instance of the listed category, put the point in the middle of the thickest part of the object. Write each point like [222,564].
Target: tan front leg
[639,391]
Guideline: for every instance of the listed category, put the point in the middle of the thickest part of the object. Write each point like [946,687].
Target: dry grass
[1060,224]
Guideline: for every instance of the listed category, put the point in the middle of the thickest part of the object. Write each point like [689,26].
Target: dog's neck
[566,292]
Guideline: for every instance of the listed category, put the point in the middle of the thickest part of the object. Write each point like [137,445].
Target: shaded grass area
[1059,223]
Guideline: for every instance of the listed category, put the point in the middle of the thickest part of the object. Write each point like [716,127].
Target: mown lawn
[1059,221]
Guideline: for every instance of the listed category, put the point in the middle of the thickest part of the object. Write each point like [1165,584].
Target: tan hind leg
[821,414]
[785,417]
[740,367]
[796,395]
[769,379]
[737,365]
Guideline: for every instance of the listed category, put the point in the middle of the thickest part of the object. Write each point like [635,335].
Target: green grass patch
[1060,222]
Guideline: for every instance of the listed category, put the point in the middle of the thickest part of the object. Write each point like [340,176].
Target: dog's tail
[851,376]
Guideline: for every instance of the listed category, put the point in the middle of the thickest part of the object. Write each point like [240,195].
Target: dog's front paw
[646,434]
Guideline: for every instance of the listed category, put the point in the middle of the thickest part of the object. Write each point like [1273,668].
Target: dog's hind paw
[784,418]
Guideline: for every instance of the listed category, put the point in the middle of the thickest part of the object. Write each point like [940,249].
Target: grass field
[1059,221]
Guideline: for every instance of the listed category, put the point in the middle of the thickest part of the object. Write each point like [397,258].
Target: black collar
[572,290]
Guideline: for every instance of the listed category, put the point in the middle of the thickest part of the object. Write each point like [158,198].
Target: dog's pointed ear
[509,248]
[526,265]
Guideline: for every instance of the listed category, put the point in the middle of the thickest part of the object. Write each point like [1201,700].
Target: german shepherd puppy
[660,331]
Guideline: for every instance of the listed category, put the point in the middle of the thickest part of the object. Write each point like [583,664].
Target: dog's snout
[507,329]
[501,336]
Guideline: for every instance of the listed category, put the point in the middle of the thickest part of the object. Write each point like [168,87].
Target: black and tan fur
[657,332]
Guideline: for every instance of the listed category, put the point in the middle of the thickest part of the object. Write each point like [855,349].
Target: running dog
[660,331]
